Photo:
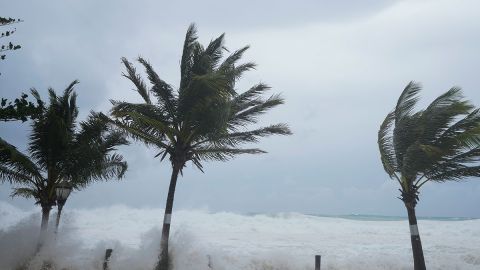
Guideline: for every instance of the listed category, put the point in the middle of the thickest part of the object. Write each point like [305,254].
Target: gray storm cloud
[339,64]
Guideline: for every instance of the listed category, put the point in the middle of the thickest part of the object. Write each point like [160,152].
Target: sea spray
[226,241]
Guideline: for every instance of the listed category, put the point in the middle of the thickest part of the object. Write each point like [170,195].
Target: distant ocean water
[392,218]
[229,241]
[372,217]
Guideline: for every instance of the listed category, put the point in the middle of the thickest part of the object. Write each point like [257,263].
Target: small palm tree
[59,153]
[204,120]
[440,143]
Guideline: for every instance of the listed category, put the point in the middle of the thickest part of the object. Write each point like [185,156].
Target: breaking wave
[204,241]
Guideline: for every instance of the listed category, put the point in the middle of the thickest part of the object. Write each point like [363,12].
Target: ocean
[201,240]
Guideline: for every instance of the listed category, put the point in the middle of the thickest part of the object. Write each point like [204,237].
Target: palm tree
[438,144]
[60,153]
[204,120]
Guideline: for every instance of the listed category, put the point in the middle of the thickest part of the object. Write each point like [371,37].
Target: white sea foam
[231,241]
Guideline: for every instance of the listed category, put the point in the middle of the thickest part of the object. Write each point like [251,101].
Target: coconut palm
[204,120]
[60,153]
[438,144]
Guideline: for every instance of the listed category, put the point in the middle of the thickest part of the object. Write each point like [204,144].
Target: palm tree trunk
[45,218]
[418,259]
[163,258]
[43,226]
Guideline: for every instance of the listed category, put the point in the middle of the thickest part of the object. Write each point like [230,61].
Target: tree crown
[62,151]
[439,143]
[205,118]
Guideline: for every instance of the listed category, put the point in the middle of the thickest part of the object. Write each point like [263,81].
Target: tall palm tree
[59,152]
[205,119]
[438,144]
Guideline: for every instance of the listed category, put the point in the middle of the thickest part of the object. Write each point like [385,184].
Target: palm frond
[187,56]
[25,192]
[249,114]
[463,134]
[249,98]
[114,166]
[214,50]
[203,89]
[236,72]
[135,78]
[233,58]
[385,144]
[16,166]
[120,109]
[157,126]
[138,133]
[252,136]
[13,176]
[111,166]
[407,100]
[223,153]
[441,113]
[162,90]
[405,133]
[69,90]
[36,95]
[456,174]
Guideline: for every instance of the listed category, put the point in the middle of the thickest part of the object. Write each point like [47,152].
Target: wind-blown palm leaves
[60,153]
[205,119]
[440,143]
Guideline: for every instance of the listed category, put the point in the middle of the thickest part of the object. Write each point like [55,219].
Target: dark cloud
[339,64]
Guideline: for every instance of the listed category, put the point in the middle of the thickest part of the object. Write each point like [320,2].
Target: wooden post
[318,259]
[210,266]
[108,253]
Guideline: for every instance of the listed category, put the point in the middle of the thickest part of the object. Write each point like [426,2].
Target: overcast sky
[339,64]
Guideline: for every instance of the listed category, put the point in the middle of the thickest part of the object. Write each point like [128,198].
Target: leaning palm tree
[59,152]
[205,119]
[438,144]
